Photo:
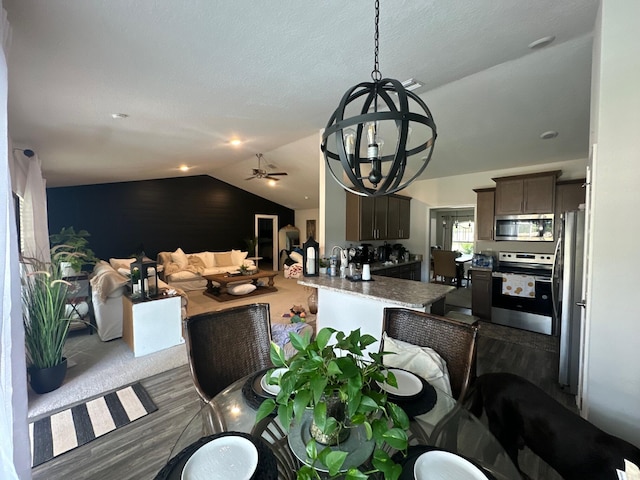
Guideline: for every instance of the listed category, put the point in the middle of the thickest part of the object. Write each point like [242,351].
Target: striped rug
[68,429]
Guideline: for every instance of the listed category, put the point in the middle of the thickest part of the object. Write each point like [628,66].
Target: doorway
[266,232]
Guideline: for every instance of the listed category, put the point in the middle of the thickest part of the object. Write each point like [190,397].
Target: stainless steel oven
[533,311]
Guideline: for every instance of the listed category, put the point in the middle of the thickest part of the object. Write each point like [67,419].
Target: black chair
[453,340]
[226,345]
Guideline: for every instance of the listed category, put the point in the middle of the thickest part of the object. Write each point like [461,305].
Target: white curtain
[15,457]
[27,182]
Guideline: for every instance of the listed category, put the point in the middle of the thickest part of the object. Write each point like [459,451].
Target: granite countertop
[405,293]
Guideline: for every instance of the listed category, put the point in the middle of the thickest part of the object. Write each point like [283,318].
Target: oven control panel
[526,258]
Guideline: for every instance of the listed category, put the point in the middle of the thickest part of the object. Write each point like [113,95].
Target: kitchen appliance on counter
[568,277]
[384,252]
[528,304]
[526,228]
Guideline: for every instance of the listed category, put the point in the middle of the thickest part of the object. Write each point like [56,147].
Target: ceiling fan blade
[272,178]
[250,178]
[278,173]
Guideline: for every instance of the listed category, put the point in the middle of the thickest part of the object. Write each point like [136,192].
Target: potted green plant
[252,243]
[77,243]
[244,270]
[339,387]
[46,322]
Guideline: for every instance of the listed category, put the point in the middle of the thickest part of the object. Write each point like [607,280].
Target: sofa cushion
[180,258]
[117,263]
[207,258]
[224,259]
[241,289]
[197,261]
[237,257]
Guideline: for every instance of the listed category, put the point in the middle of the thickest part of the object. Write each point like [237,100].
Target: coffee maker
[368,253]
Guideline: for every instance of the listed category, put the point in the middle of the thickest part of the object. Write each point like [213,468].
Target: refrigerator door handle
[581,304]
[556,258]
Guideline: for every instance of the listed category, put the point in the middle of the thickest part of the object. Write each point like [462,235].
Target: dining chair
[226,345]
[444,266]
[453,340]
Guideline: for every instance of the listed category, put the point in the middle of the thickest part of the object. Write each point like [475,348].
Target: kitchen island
[346,305]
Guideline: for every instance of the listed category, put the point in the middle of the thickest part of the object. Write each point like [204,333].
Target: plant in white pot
[338,386]
[46,321]
[76,244]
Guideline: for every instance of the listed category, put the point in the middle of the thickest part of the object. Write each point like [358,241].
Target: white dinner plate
[221,459]
[439,465]
[409,384]
[272,389]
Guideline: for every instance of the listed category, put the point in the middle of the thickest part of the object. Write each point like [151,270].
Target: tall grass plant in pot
[46,322]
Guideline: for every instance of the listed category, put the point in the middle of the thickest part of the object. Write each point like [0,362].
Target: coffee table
[221,294]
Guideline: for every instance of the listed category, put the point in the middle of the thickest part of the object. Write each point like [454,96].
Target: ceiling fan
[260,173]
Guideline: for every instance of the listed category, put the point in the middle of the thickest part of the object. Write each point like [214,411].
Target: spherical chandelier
[371,119]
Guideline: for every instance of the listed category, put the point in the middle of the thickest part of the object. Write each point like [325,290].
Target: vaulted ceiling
[193,75]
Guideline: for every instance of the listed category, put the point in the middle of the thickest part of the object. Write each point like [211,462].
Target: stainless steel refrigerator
[568,292]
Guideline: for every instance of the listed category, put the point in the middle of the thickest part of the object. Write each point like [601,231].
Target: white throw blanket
[518,285]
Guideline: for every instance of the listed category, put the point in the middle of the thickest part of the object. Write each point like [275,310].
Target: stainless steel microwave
[527,228]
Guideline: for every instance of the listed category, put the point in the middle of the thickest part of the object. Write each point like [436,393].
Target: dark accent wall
[195,213]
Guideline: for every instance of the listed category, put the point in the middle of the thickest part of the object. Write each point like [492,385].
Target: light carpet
[98,367]
[56,434]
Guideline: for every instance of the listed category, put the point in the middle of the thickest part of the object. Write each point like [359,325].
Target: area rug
[63,431]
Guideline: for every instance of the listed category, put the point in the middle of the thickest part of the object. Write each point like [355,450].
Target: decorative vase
[335,409]
[313,302]
[45,380]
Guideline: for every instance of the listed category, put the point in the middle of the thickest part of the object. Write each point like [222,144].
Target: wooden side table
[151,325]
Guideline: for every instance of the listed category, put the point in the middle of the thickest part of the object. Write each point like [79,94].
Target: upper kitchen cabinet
[569,196]
[377,218]
[398,219]
[484,212]
[520,194]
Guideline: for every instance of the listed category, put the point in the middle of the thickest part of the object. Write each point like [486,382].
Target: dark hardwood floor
[140,449]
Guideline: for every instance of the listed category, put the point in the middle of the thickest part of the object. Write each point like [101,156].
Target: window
[462,236]
[17,206]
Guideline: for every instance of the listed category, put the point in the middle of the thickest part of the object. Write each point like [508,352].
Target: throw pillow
[296,257]
[241,289]
[237,257]
[422,361]
[180,258]
[224,259]
[117,263]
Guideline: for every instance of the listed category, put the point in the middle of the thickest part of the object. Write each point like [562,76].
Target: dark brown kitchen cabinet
[520,194]
[569,196]
[377,218]
[408,271]
[398,221]
[481,290]
[484,212]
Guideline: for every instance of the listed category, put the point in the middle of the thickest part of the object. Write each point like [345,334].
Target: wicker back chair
[226,345]
[453,340]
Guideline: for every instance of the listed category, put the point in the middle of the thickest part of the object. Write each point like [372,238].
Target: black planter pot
[44,380]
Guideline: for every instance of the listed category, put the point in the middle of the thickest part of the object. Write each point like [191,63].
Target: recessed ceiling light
[542,42]
[235,142]
[119,116]
[306,197]
[549,134]
[184,168]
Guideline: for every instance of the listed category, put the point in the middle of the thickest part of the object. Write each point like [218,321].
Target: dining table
[460,261]
[437,423]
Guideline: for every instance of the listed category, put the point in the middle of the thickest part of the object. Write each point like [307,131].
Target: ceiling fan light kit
[354,137]
[261,173]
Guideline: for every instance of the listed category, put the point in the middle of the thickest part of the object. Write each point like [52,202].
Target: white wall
[612,384]
[301,221]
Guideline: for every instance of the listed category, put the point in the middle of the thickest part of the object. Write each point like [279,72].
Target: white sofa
[107,288]
[185,270]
